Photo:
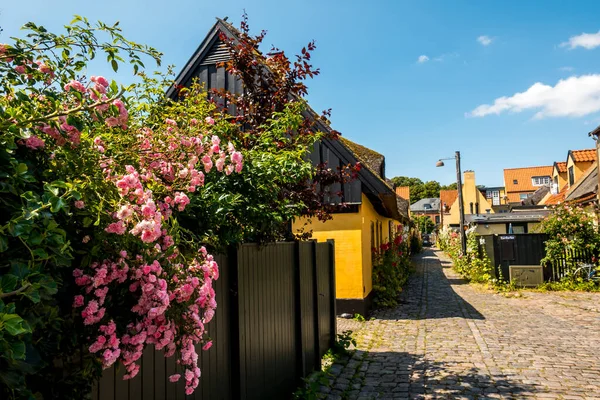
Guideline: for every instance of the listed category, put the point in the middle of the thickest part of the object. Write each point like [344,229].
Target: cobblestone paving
[448,339]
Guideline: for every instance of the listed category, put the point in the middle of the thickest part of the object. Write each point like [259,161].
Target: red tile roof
[559,197]
[561,166]
[586,155]
[523,176]
[447,198]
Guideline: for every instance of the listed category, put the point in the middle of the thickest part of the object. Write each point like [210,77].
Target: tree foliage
[422,190]
[570,231]
[424,224]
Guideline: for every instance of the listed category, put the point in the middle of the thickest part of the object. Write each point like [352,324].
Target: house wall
[352,235]
[431,216]
[561,177]
[579,168]
[500,229]
[470,195]
[368,216]
[345,229]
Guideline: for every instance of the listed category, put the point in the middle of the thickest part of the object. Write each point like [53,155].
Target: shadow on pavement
[429,294]
[400,375]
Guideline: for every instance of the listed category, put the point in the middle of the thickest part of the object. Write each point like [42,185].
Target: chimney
[469,178]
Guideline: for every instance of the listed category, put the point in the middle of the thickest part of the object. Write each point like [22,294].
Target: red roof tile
[522,177]
[561,166]
[447,198]
[586,155]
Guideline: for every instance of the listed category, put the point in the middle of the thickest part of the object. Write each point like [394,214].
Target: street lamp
[463,238]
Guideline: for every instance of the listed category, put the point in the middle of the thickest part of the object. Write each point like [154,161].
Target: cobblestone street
[449,339]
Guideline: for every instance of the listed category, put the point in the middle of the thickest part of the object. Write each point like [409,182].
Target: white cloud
[585,40]
[422,59]
[572,97]
[567,69]
[485,40]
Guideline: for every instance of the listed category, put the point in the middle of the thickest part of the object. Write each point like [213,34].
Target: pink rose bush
[170,290]
[173,292]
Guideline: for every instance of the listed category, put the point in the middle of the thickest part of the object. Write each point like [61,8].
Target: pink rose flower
[209,120]
[79,204]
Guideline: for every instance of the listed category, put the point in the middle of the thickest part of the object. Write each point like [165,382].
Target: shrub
[473,266]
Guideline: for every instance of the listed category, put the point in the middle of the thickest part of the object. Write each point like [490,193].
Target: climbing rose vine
[94,180]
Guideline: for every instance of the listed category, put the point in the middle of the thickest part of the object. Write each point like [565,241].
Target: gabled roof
[211,51]
[560,166]
[523,176]
[447,198]
[586,155]
[424,205]
[585,186]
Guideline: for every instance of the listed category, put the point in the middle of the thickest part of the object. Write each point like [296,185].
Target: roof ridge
[537,166]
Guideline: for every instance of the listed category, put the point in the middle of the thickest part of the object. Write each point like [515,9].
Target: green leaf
[33,295]
[57,203]
[115,65]
[40,253]
[8,283]
[18,350]
[21,169]
[13,324]
[3,243]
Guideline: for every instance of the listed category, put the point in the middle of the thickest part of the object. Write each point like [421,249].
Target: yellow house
[474,202]
[578,162]
[559,175]
[358,228]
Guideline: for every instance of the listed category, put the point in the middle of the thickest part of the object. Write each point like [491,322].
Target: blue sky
[381,95]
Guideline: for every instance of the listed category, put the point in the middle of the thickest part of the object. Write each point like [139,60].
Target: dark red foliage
[270,82]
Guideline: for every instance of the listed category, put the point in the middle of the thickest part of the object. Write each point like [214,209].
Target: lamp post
[461,206]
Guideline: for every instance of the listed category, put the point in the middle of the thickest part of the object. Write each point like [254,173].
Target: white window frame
[540,180]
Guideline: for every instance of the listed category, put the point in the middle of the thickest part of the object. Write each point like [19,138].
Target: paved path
[452,340]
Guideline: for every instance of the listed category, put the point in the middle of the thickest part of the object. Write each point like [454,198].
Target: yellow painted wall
[470,195]
[579,168]
[500,229]
[345,229]
[368,215]
[562,177]
[352,235]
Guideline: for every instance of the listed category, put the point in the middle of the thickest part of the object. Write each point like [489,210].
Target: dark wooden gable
[203,66]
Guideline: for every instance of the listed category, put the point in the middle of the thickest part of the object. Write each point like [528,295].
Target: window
[556,180]
[437,219]
[515,182]
[427,206]
[540,180]
[496,198]
[471,207]
[523,196]
[571,176]
[372,235]
[488,194]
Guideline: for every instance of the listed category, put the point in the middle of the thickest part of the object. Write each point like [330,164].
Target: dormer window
[540,180]
[427,206]
[515,182]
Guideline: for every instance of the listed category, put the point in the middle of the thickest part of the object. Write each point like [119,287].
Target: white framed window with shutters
[540,180]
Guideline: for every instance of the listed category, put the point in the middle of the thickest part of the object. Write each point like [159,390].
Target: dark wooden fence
[528,249]
[275,319]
